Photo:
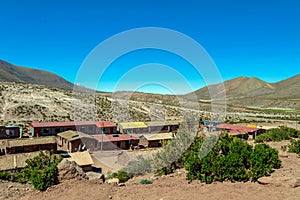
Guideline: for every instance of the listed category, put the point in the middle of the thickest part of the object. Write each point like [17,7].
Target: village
[93,144]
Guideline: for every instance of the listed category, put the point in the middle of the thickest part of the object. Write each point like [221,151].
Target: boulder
[96,177]
[113,181]
[70,170]
[279,181]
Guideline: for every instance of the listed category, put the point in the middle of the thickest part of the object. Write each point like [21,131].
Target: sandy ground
[173,186]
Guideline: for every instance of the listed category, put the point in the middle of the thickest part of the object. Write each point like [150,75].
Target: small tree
[41,171]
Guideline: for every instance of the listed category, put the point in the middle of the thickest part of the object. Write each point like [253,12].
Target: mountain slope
[244,87]
[288,88]
[12,73]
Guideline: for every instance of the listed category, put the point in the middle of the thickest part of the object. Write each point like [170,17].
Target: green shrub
[294,147]
[145,181]
[5,175]
[230,159]
[278,134]
[263,160]
[41,171]
[122,175]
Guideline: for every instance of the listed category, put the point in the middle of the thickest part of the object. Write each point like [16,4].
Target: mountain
[12,73]
[288,88]
[245,87]
[255,93]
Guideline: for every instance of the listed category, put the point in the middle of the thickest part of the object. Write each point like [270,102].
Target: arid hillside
[12,73]
[248,92]
[23,103]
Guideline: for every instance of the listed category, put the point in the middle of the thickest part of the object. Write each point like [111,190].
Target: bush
[139,166]
[41,171]
[145,181]
[294,147]
[122,175]
[278,134]
[263,160]
[6,175]
[230,159]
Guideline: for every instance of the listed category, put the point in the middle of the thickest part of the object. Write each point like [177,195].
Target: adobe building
[73,141]
[89,127]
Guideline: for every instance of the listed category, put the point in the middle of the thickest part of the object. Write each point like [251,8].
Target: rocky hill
[21,103]
[33,95]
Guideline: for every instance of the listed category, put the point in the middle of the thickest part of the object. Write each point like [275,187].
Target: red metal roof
[106,124]
[111,138]
[237,128]
[71,123]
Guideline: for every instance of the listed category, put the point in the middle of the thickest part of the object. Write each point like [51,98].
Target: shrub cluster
[40,171]
[122,175]
[278,134]
[6,176]
[230,159]
[294,147]
[145,181]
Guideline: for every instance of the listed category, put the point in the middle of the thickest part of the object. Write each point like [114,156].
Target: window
[46,130]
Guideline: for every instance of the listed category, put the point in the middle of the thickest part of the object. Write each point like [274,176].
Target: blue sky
[244,38]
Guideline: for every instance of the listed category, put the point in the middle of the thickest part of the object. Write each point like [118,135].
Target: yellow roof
[251,125]
[129,125]
[163,123]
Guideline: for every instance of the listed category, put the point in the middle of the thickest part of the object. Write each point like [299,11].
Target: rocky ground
[284,183]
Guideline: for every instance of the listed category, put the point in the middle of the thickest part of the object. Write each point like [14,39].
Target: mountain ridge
[245,87]
[237,88]
[13,73]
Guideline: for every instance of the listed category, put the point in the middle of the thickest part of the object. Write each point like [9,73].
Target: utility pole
[102,135]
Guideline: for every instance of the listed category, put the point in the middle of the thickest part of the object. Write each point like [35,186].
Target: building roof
[116,137]
[106,124]
[163,123]
[237,128]
[11,126]
[30,141]
[15,161]
[158,136]
[73,135]
[81,158]
[72,123]
[266,127]
[132,125]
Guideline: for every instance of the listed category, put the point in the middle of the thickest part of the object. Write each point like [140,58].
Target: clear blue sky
[252,38]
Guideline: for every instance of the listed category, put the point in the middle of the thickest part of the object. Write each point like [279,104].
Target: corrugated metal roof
[132,125]
[81,158]
[73,135]
[163,123]
[30,141]
[72,123]
[158,136]
[115,137]
[237,128]
[106,124]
